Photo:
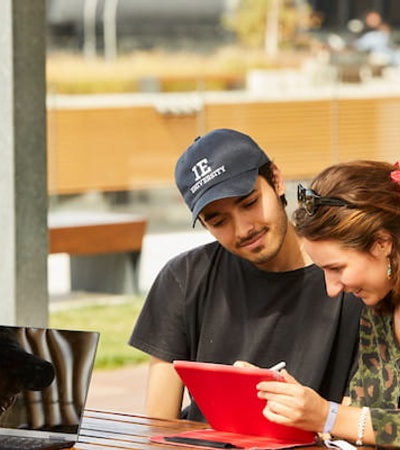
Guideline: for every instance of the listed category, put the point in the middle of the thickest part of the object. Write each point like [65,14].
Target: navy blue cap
[223,163]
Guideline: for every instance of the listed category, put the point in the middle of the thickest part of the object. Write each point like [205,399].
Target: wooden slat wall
[292,134]
[113,149]
[124,148]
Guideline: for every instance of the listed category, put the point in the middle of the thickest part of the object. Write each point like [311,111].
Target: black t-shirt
[209,305]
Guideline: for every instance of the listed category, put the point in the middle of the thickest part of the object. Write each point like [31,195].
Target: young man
[251,295]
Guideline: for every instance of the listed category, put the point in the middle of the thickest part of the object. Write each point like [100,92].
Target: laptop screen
[44,380]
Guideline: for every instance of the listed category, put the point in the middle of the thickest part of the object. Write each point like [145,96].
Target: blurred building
[138,23]
[183,24]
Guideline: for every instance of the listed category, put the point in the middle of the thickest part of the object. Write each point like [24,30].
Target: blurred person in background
[376,40]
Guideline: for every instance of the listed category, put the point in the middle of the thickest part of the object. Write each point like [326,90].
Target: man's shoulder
[199,261]
[196,254]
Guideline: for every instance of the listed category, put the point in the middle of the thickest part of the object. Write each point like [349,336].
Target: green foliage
[94,86]
[114,321]
[248,22]
[177,72]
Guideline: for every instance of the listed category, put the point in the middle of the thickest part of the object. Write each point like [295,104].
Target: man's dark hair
[267,173]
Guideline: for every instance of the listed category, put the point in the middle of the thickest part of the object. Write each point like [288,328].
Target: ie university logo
[204,173]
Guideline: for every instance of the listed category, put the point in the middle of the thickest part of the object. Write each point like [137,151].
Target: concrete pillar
[23,182]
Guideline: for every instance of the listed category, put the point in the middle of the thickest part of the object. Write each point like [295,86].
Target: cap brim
[237,186]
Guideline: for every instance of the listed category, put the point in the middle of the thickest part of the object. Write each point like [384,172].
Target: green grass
[114,321]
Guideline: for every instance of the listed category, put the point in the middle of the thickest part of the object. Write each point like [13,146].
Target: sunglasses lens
[301,191]
[306,199]
[309,205]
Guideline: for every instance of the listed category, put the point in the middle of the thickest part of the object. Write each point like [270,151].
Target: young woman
[350,224]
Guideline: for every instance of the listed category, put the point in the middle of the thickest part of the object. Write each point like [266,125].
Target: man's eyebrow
[238,200]
[208,217]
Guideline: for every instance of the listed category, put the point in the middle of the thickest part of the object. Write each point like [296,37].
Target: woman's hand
[240,363]
[293,404]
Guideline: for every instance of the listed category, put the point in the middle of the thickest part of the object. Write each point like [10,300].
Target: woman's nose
[333,286]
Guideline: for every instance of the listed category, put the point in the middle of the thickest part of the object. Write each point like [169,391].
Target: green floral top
[376,382]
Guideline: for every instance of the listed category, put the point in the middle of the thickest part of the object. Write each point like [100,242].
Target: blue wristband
[331,418]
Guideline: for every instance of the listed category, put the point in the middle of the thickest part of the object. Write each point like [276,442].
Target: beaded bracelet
[361,425]
[331,418]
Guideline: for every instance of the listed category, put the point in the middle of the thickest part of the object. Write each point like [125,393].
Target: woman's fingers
[289,378]
[243,364]
[293,404]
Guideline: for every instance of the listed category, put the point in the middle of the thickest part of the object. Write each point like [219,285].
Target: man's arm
[164,390]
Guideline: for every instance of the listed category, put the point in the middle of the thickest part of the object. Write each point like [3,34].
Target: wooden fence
[118,143]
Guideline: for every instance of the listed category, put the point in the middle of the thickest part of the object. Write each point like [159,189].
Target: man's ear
[279,182]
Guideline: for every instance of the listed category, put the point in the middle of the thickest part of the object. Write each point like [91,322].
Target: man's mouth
[252,240]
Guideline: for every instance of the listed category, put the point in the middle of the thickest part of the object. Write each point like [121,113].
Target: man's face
[252,227]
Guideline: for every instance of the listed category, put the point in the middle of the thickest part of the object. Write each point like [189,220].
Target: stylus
[278,366]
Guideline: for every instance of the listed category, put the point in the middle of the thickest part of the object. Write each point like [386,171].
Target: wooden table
[101,430]
[107,430]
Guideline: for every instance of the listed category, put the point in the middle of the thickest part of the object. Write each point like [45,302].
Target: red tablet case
[227,397]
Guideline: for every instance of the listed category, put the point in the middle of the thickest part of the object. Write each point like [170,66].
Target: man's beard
[268,254]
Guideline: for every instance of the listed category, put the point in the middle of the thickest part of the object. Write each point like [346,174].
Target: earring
[389,269]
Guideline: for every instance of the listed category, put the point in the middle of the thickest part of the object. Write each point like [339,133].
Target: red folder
[227,397]
[211,439]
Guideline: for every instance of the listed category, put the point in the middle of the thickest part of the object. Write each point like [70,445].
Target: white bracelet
[331,418]
[361,425]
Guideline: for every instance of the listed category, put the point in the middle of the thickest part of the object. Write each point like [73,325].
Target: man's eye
[217,223]
[250,203]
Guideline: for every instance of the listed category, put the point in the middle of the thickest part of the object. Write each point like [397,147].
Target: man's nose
[242,226]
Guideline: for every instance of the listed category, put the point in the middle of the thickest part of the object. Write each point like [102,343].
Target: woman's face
[349,270]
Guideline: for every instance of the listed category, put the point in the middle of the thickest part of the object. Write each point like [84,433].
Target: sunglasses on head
[311,201]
